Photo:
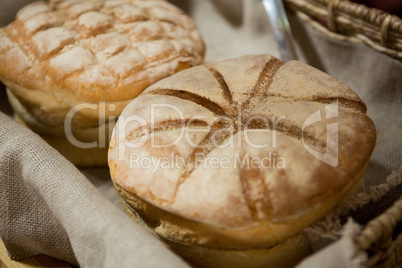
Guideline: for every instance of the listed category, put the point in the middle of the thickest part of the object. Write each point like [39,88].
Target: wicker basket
[378,238]
[376,28]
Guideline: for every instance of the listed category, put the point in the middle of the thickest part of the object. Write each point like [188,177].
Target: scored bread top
[97,50]
[225,110]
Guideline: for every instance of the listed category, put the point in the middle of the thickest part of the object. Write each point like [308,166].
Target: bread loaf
[187,156]
[60,54]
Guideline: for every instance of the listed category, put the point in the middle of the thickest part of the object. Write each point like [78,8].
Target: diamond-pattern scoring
[68,39]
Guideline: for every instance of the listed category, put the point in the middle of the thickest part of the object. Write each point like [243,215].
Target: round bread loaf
[228,162]
[60,54]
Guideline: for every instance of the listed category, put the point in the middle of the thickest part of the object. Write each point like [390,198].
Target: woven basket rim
[377,235]
[369,14]
[376,28]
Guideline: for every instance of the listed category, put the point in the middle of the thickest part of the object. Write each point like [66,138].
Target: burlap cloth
[48,206]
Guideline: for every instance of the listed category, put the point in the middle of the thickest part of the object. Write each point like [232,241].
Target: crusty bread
[59,54]
[231,208]
[285,254]
[176,231]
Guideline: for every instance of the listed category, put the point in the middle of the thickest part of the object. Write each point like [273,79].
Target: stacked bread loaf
[248,153]
[93,56]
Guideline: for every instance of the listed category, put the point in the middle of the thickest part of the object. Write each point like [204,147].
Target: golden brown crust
[177,229]
[285,254]
[82,157]
[99,50]
[253,206]
[100,54]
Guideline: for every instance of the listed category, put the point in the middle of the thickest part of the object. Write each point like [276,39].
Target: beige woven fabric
[48,206]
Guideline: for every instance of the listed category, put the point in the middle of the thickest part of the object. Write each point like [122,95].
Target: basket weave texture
[377,238]
[377,29]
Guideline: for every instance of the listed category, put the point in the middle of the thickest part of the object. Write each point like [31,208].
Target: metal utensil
[280,25]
